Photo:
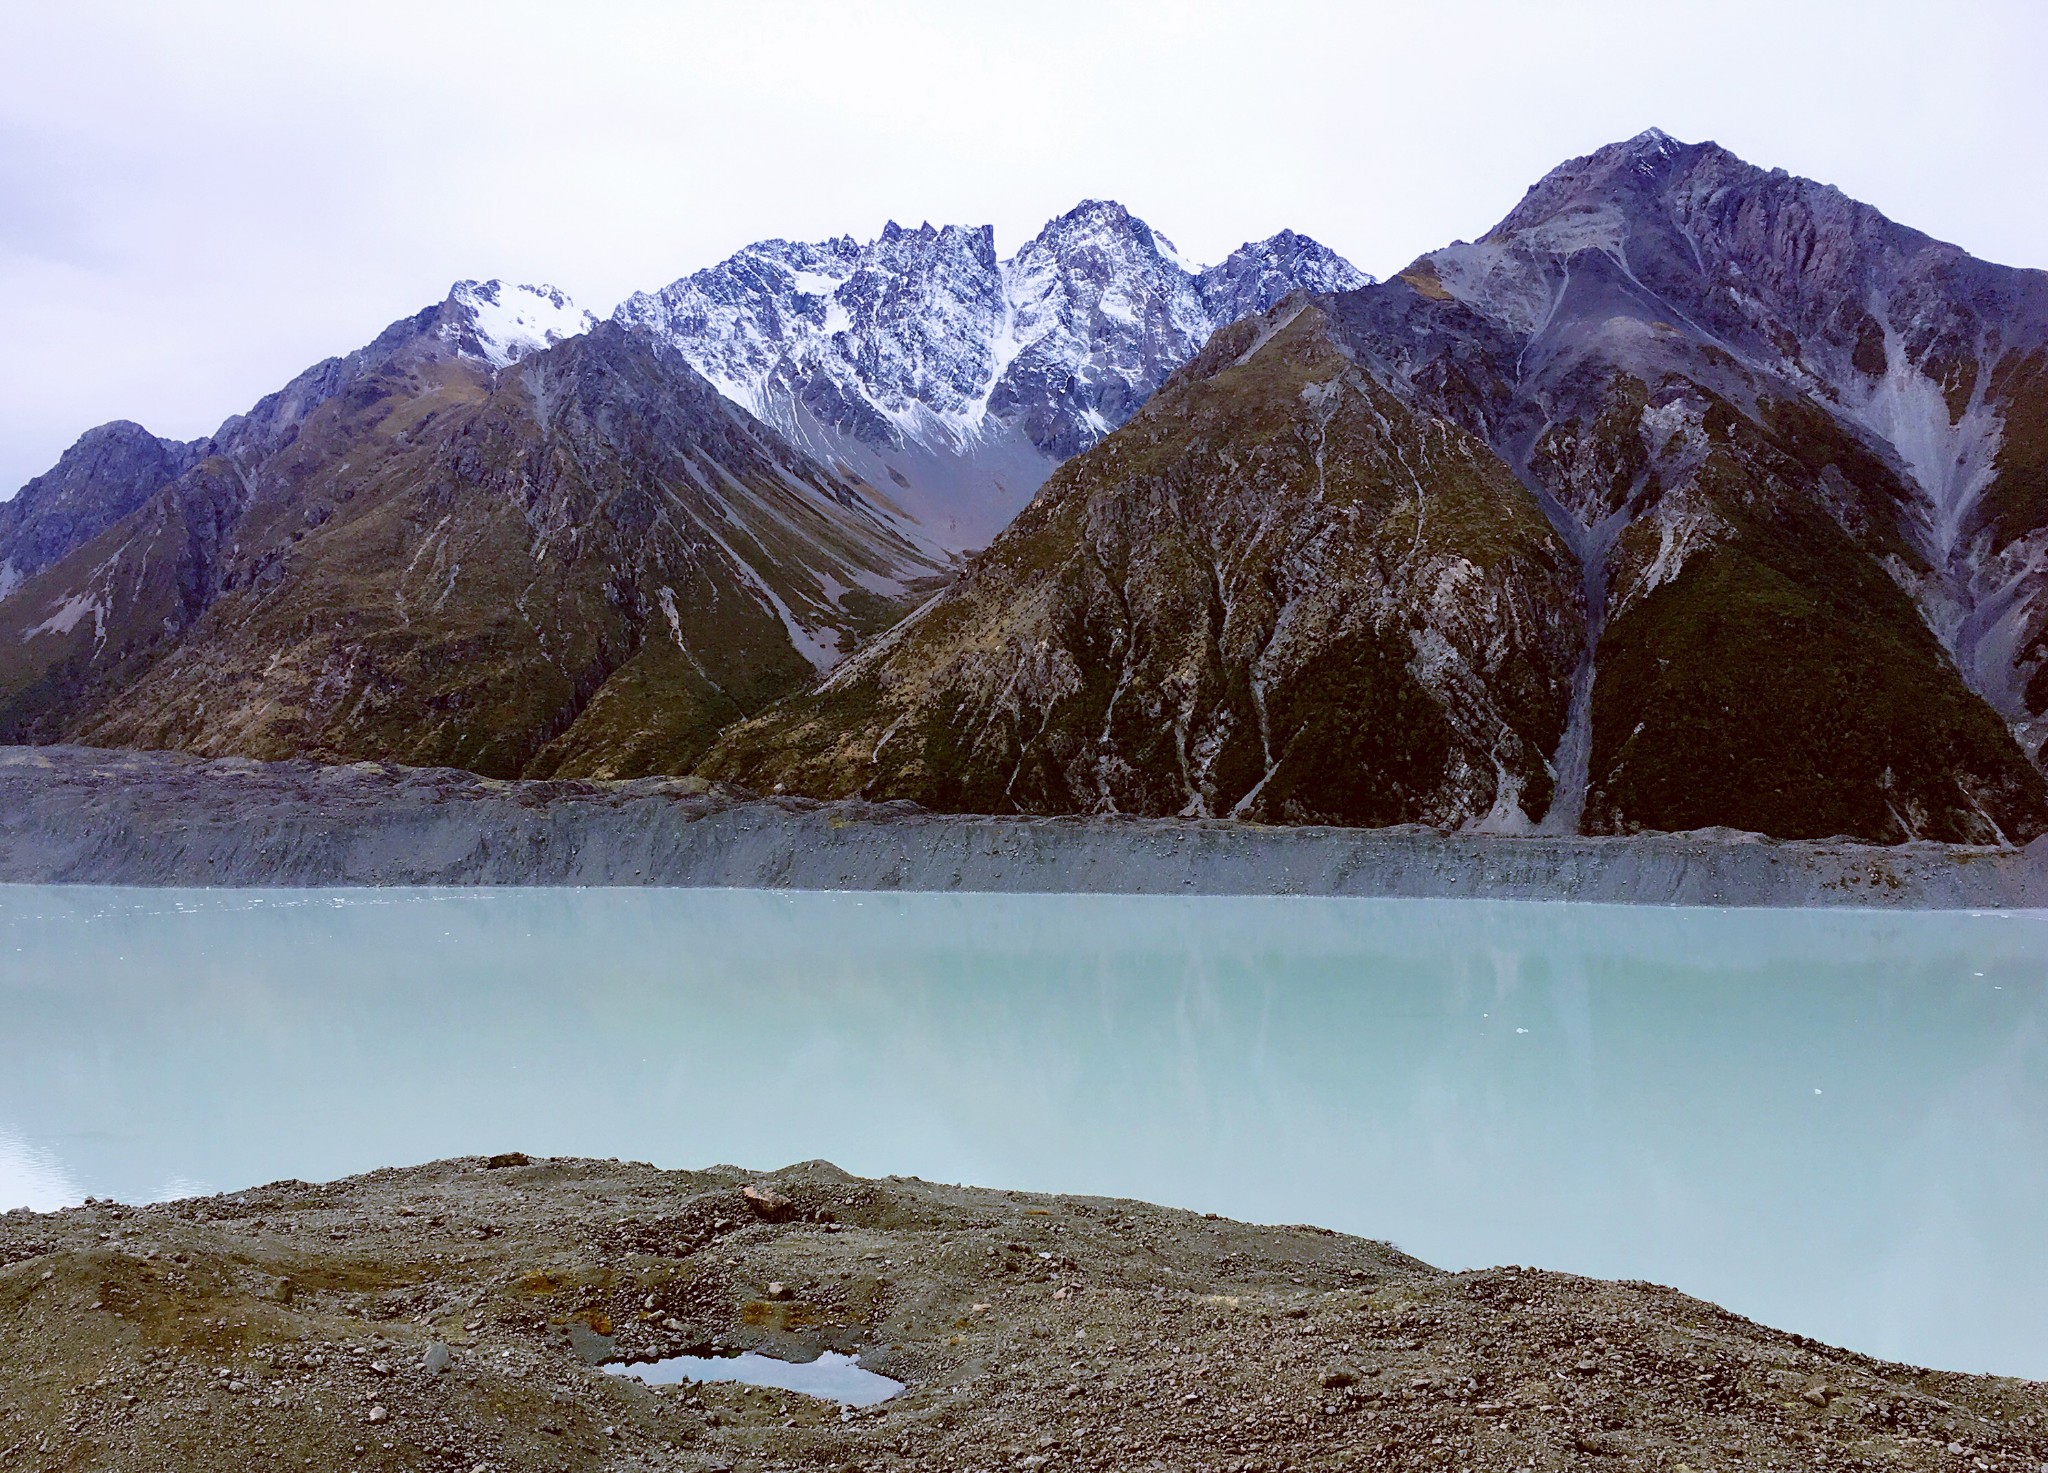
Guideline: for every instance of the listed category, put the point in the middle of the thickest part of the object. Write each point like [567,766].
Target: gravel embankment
[80,815]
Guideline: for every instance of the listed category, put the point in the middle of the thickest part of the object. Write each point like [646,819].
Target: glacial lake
[1835,1122]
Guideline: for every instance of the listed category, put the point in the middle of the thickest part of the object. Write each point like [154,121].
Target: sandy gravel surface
[454,1316]
[72,814]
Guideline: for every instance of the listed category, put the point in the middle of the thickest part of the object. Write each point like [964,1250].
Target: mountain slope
[1280,592]
[949,379]
[473,552]
[111,471]
[1790,452]
[115,468]
[1935,355]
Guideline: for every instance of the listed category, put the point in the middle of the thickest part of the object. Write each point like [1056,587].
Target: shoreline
[76,815]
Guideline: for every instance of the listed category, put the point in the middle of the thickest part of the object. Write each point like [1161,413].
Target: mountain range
[953,380]
[1690,494]
[510,537]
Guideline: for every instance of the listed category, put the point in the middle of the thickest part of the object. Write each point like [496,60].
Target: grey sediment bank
[92,816]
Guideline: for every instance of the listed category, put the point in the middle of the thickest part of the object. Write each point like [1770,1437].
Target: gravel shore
[84,815]
[456,1316]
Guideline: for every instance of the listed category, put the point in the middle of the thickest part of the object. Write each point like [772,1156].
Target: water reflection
[1835,1122]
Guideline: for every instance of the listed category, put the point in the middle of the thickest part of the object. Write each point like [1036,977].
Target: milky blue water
[1835,1122]
[831,1377]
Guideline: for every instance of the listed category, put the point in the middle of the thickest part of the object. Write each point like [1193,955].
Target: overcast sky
[198,200]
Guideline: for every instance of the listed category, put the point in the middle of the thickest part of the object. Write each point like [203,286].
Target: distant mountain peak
[499,323]
[110,470]
[1104,222]
[1107,210]
[955,379]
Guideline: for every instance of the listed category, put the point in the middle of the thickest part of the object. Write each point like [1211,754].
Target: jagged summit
[949,378]
[1106,223]
[1655,143]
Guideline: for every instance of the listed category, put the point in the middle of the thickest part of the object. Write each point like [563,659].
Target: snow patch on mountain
[500,323]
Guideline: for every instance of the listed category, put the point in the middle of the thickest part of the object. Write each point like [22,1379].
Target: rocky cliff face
[950,379]
[1789,452]
[461,546]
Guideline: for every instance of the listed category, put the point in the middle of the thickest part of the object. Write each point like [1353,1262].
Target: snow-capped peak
[500,324]
[923,347]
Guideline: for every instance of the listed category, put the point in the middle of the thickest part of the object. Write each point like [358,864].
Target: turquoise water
[1835,1122]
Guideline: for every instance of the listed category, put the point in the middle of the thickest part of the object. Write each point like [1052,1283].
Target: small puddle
[831,1377]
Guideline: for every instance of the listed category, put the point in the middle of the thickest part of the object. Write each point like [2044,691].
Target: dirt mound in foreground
[450,1317]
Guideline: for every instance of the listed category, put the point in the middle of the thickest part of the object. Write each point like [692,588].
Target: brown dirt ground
[296,1327]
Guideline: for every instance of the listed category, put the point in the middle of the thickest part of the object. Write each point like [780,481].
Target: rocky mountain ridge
[1932,358]
[508,536]
[111,470]
[950,378]
[114,468]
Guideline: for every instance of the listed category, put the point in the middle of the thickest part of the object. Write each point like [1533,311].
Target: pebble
[378,1414]
[436,1359]
[381,1367]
